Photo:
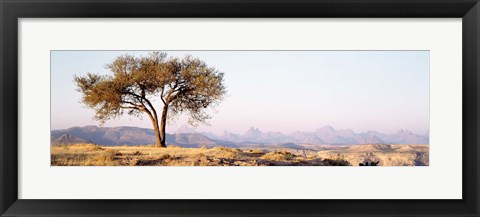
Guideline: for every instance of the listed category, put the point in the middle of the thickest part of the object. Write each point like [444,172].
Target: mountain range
[326,135]
[113,136]
[188,137]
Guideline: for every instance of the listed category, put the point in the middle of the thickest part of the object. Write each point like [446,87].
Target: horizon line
[262,131]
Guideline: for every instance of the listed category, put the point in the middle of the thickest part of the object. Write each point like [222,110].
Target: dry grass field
[386,155]
[94,155]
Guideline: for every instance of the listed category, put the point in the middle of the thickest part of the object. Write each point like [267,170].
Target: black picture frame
[12,10]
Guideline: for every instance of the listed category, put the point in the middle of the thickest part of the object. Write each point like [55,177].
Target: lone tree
[185,85]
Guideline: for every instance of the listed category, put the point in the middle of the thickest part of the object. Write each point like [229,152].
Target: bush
[255,151]
[136,153]
[336,162]
[224,152]
[279,156]
[373,163]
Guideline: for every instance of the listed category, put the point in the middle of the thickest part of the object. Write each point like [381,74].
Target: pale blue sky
[281,91]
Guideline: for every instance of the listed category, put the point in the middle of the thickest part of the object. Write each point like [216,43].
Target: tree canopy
[184,85]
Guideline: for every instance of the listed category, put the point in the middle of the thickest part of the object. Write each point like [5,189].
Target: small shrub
[373,163]
[279,156]
[164,157]
[335,162]
[83,147]
[104,158]
[137,153]
[256,151]
[224,152]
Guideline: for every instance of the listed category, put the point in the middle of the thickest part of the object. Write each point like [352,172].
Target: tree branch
[172,90]
[130,107]
[131,103]
[161,97]
[152,113]
[152,108]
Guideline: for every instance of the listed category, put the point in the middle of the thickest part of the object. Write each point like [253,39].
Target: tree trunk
[158,137]
[163,123]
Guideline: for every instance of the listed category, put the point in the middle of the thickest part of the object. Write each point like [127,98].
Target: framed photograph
[239,108]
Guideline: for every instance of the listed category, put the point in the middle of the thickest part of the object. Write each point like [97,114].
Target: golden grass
[94,155]
[83,155]
[281,155]
[256,151]
[396,155]
[82,147]
[149,155]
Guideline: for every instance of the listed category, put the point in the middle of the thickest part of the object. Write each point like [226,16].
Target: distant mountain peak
[326,128]
[253,131]
[404,132]
[67,139]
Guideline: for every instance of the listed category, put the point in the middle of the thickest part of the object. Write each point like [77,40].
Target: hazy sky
[282,91]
